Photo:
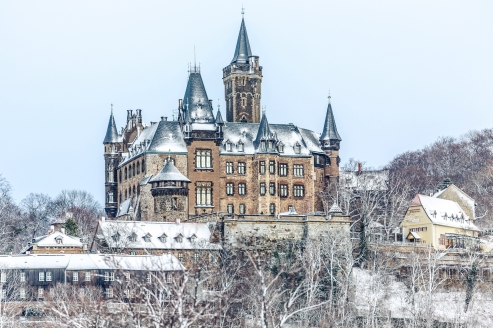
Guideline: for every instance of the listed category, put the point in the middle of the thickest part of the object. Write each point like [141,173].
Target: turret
[242,82]
[266,140]
[330,142]
[112,150]
[219,125]
[198,106]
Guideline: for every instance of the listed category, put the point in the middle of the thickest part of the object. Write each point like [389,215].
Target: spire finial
[169,155]
[111,108]
[242,11]
[218,105]
[329,96]
[194,59]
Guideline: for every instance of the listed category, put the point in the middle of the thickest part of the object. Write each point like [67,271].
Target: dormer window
[132,238]
[59,240]
[229,146]
[193,238]
[281,147]
[179,238]
[262,145]
[241,146]
[116,237]
[270,145]
[147,238]
[297,148]
[163,238]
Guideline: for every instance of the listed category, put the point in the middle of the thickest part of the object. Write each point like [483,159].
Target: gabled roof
[330,129]
[196,102]
[444,212]
[50,240]
[111,131]
[219,118]
[169,173]
[242,51]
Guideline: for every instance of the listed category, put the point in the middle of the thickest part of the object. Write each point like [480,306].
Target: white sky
[401,74]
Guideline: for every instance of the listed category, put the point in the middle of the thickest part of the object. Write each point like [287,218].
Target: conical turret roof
[196,101]
[264,131]
[242,51]
[219,118]
[169,173]
[111,131]
[330,128]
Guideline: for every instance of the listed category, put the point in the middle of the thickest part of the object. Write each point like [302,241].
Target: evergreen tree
[71,227]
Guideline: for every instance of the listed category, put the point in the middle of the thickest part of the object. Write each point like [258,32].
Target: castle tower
[111,159]
[242,82]
[331,141]
[170,193]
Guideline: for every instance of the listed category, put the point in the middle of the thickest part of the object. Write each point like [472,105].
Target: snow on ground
[383,296]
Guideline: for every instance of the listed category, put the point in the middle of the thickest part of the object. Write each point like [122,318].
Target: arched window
[143,167]
[138,167]
[120,198]
[125,173]
[134,191]
[121,176]
[133,169]
[126,194]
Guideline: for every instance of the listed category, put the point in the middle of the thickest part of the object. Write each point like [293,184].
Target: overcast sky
[401,74]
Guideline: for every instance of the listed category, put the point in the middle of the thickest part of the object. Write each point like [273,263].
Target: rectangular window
[242,208]
[204,194]
[75,276]
[4,293]
[23,276]
[298,170]
[283,190]
[212,258]
[299,191]
[196,257]
[230,189]
[3,276]
[106,276]
[272,188]
[241,189]
[48,276]
[241,168]
[40,292]
[109,292]
[203,159]
[283,170]
[272,167]
[22,293]
[262,188]
[262,167]
[169,278]
[229,167]
[231,209]
[88,275]
[112,276]
[52,292]
[180,257]
[149,278]
[41,276]
[291,208]
[272,208]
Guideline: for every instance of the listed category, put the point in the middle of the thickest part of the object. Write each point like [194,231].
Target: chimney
[102,219]
[129,115]
[164,118]
[210,102]
[62,230]
[359,168]
[52,229]
[177,220]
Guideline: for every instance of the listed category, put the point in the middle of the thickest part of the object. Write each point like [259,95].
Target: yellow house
[440,223]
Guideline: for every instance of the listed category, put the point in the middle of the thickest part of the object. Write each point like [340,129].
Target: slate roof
[124,207]
[242,51]
[125,229]
[111,131]
[330,129]
[196,102]
[169,173]
[165,262]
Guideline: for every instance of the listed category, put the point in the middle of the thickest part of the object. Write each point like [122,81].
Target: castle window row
[203,159]
[298,190]
[230,189]
[132,170]
[231,209]
[283,169]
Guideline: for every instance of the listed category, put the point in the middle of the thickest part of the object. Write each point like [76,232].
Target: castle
[202,164]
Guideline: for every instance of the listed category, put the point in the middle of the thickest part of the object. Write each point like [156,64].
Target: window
[108,292]
[48,276]
[23,276]
[212,258]
[163,238]
[22,293]
[116,237]
[229,167]
[196,257]
[298,170]
[283,191]
[127,276]
[242,208]
[272,208]
[262,188]
[231,209]
[193,238]
[241,189]
[106,276]
[138,168]
[110,197]
[132,238]
[88,275]
[59,241]
[110,176]
[132,253]
[290,208]
[272,167]
[179,238]
[40,292]
[4,293]
[3,277]
[281,147]
[283,170]
[229,146]
[299,191]
[272,188]
[230,189]
[174,203]
[75,276]
[297,148]
[112,276]
[147,238]
[149,278]
[169,278]
[180,257]
[41,276]
[241,168]
[262,167]
[241,147]
[203,159]
[204,191]
[52,292]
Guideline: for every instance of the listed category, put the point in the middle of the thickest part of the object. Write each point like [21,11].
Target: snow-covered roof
[444,212]
[365,180]
[460,194]
[131,235]
[124,207]
[51,240]
[165,262]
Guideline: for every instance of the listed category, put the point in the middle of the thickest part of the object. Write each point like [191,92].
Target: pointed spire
[330,129]
[169,172]
[219,118]
[242,51]
[264,133]
[111,131]
[198,106]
